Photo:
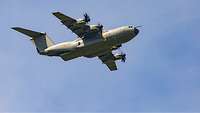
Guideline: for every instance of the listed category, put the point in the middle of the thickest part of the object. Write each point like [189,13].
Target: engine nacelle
[116,47]
[80,22]
[121,57]
[85,20]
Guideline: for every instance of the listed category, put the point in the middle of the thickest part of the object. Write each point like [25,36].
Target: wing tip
[56,13]
[114,69]
[15,28]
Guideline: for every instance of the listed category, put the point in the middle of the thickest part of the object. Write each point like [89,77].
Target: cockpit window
[130,26]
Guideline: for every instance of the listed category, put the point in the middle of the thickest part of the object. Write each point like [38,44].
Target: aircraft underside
[92,41]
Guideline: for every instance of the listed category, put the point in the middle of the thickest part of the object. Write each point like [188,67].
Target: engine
[121,57]
[85,20]
[116,47]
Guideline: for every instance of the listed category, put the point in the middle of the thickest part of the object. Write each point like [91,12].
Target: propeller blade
[86,17]
[100,26]
[123,57]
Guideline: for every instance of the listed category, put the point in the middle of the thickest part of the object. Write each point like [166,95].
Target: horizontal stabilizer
[30,33]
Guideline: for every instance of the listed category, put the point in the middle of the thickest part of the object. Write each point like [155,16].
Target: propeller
[123,57]
[100,26]
[86,18]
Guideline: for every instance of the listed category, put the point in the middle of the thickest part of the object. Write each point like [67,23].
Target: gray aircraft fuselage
[92,40]
[92,47]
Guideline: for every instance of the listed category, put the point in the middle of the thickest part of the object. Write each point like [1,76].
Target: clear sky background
[162,72]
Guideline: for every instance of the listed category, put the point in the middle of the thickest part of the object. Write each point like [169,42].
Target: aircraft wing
[69,56]
[78,27]
[109,60]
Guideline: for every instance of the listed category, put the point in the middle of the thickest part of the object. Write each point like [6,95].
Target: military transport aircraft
[92,41]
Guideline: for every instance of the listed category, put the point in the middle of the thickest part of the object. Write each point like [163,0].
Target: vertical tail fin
[41,40]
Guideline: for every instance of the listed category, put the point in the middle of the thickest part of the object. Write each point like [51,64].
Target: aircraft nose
[136,31]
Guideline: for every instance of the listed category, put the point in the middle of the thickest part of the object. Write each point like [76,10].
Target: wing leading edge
[78,27]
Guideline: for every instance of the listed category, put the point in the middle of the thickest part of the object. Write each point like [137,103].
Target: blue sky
[162,71]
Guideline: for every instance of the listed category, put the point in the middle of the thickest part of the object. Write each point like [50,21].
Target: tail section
[41,40]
